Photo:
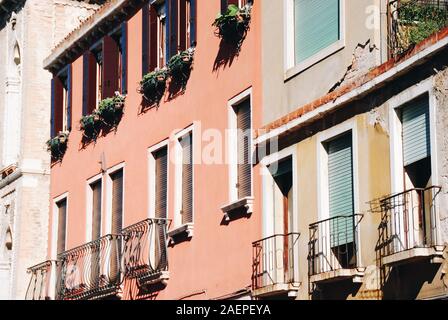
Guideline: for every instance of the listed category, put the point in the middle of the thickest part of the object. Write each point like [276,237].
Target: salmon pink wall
[218,259]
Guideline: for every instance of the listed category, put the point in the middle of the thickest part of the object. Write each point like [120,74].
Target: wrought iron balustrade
[91,271]
[275,260]
[411,21]
[145,250]
[41,286]
[408,220]
[333,244]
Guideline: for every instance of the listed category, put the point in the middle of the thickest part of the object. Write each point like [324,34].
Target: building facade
[296,149]
[25,123]
[144,202]
[354,94]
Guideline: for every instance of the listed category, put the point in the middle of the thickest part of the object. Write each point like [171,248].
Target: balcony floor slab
[337,275]
[434,253]
[277,289]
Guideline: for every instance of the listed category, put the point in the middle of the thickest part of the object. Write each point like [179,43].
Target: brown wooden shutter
[183,19]
[62,222]
[96,210]
[58,105]
[91,83]
[161,158]
[111,69]
[187,179]
[244,150]
[117,201]
[153,38]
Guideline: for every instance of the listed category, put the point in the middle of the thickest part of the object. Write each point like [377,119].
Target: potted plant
[232,26]
[179,67]
[58,145]
[110,110]
[153,85]
[90,125]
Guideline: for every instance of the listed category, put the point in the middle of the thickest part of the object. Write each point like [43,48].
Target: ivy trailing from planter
[106,117]
[153,85]
[233,25]
[57,146]
[179,67]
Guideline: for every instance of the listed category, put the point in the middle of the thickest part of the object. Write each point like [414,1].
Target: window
[315,30]
[183,212]
[244,143]
[168,28]
[239,3]
[105,69]
[96,194]
[61,225]
[61,87]
[116,179]
[160,171]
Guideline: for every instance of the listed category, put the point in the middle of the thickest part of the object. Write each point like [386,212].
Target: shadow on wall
[405,282]
[339,290]
[226,55]
[136,292]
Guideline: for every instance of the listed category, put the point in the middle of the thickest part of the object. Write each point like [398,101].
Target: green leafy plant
[179,67]
[153,85]
[58,145]
[110,110]
[417,21]
[232,26]
[91,126]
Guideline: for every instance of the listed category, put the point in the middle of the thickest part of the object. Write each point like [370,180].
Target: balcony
[275,266]
[145,252]
[41,286]
[91,271]
[408,229]
[333,250]
[411,21]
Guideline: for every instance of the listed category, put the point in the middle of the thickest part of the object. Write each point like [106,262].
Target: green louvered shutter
[416,138]
[316,26]
[340,184]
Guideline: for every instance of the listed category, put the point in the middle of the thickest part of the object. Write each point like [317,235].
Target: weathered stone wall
[29,35]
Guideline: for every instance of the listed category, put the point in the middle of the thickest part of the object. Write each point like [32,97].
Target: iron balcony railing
[408,220]
[91,271]
[41,286]
[411,21]
[145,250]
[333,244]
[275,260]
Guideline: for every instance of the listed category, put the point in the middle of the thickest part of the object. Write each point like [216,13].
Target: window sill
[311,61]
[246,204]
[185,230]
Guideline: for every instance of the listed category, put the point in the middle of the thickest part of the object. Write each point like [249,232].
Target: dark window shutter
[172,20]
[117,201]
[69,98]
[193,18]
[124,57]
[182,20]
[92,88]
[96,209]
[187,179]
[62,221]
[117,223]
[244,149]
[85,83]
[110,66]
[153,41]
[235,2]
[53,108]
[224,6]
[145,39]
[161,159]
[58,105]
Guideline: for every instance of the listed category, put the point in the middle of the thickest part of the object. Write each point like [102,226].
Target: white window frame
[177,154]
[323,201]
[152,174]
[396,142]
[55,224]
[232,138]
[89,205]
[268,223]
[108,209]
[290,67]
